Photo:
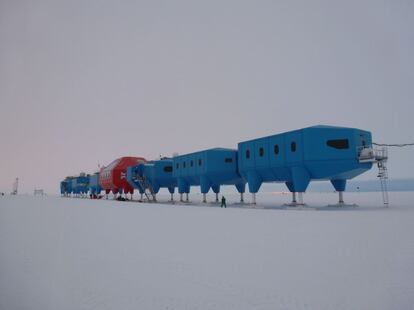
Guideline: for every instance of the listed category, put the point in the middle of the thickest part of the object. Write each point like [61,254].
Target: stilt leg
[181,197]
[341,197]
[172,197]
[254,198]
[142,197]
[300,199]
[204,198]
[217,200]
[241,197]
[186,197]
[294,198]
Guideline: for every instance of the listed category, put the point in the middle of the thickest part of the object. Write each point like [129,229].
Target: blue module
[80,184]
[297,157]
[66,186]
[207,169]
[152,175]
[94,187]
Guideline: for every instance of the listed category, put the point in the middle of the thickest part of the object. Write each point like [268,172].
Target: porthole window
[340,144]
[168,169]
[228,160]
[184,164]
[247,154]
[178,165]
[293,146]
[191,163]
[199,162]
[276,149]
[261,152]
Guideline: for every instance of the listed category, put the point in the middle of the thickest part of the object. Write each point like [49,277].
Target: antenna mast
[15,186]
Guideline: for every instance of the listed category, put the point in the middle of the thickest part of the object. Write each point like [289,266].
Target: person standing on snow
[223,202]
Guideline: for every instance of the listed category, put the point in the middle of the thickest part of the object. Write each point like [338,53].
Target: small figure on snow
[223,202]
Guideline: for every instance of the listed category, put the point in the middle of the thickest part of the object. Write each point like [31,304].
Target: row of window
[227,160]
[191,163]
[106,174]
[337,144]
[275,150]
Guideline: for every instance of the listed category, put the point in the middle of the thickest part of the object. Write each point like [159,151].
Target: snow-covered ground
[61,253]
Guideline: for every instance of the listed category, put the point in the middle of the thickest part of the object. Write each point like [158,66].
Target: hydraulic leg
[294,198]
[341,197]
[300,198]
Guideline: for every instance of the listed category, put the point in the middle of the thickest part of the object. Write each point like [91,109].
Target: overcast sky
[84,82]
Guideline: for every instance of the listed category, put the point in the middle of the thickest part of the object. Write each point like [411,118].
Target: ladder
[381,157]
[146,186]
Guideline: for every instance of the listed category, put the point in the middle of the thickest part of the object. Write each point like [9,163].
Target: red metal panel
[113,177]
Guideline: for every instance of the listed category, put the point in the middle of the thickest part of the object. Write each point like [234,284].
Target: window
[184,164]
[338,144]
[199,162]
[261,152]
[276,149]
[178,165]
[191,163]
[293,146]
[228,160]
[168,169]
[247,154]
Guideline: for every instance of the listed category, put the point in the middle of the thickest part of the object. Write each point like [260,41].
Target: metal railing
[369,154]
[146,186]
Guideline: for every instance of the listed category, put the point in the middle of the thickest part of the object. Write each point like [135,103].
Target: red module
[113,177]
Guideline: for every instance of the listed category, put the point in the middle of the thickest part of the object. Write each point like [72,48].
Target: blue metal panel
[316,147]
[362,138]
[293,147]
[66,186]
[160,175]
[80,184]
[276,151]
[261,152]
[94,186]
[131,175]
[247,153]
[247,165]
